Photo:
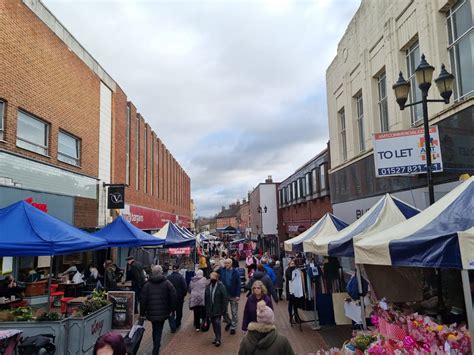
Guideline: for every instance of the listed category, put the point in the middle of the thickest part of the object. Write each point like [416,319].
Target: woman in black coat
[216,305]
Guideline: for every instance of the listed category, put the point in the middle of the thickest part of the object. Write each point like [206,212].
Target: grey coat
[197,289]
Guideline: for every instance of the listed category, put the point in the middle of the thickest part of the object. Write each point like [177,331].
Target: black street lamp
[424,75]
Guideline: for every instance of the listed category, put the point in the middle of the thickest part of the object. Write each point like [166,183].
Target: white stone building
[383,38]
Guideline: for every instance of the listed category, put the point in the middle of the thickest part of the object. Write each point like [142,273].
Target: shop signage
[296,228]
[403,152]
[123,306]
[41,206]
[116,197]
[150,219]
[180,251]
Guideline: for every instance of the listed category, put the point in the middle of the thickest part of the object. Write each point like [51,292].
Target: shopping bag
[134,338]
[205,324]
[172,321]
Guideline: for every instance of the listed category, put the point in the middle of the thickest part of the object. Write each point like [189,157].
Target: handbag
[205,324]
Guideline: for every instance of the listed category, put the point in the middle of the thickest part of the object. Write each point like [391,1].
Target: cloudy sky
[235,89]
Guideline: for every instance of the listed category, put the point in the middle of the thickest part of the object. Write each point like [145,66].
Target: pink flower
[409,342]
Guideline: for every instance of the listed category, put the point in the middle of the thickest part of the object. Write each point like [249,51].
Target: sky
[235,89]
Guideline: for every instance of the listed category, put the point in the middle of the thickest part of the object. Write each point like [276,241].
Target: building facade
[263,209]
[244,218]
[383,38]
[228,217]
[67,128]
[303,197]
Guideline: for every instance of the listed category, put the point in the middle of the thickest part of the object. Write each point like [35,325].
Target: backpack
[352,287]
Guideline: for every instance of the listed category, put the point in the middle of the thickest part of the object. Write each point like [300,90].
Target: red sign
[180,251]
[147,218]
[41,206]
[183,221]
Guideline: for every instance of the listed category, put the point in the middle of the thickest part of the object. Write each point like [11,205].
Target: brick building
[228,217]
[66,128]
[303,197]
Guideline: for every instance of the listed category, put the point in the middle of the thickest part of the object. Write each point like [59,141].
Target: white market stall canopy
[442,236]
[327,224]
[387,212]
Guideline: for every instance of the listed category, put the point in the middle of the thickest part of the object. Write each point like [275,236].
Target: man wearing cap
[179,284]
[137,276]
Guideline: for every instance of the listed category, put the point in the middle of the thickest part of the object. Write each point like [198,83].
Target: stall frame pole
[468,301]
[362,305]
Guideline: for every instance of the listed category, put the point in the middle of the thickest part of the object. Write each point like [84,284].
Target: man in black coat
[137,276]
[157,302]
[179,284]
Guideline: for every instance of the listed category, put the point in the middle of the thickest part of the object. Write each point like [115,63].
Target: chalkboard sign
[123,306]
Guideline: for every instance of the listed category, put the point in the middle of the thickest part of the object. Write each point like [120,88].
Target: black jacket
[288,278]
[137,275]
[179,284]
[219,306]
[157,299]
[266,280]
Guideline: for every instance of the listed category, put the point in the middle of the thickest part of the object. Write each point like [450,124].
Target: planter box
[73,335]
[30,328]
[83,332]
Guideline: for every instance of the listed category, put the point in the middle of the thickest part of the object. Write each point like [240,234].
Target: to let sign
[403,152]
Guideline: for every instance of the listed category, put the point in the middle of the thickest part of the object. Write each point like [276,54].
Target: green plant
[363,341]
[96,301]
[49,317]
[22,313]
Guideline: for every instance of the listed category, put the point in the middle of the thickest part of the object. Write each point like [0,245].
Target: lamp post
[261,211]
[444,82]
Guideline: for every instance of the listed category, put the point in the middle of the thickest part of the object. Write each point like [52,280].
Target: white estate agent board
[403,152]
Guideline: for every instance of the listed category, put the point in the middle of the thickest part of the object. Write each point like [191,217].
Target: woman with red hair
[110,344]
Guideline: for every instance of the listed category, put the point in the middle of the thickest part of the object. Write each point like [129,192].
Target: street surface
[187,341]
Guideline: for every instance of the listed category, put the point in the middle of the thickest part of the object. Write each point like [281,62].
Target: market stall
[25,230]
[387,212]
[328,224]
[442,236]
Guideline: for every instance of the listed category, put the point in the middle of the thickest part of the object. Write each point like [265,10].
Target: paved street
[187,340]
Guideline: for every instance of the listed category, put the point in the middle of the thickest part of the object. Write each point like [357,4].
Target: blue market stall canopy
[121,233]
[185,231]
[442,236]
[387,212]
[328,224]
[27,231]
[174,237]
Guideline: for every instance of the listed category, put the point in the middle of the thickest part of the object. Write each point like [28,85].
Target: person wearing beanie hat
[262,337]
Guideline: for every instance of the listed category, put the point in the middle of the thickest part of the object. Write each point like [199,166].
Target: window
[303,187]
[413,59]
[382,102]
[460,47]
[309,191]
[32,133]
[298,190]
[342,133]
[152,180]
[314,174]
[127,147]
[360,121]
[137,155]
[68,148]
[2,114]
[293,186]
[322,176]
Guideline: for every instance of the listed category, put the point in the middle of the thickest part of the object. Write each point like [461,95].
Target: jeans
[216,326]
[179,312]
[157,331]
[199,314]
[234,309]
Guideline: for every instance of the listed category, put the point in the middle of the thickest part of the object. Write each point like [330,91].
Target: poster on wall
[7,264]
[122,310]
[403,152]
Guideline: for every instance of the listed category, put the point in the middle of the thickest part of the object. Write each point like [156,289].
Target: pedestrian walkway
[188,341]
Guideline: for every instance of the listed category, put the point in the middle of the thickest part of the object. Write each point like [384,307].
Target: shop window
[32,133]
[413,59]
[68,148]
[460,47]
[382,101]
